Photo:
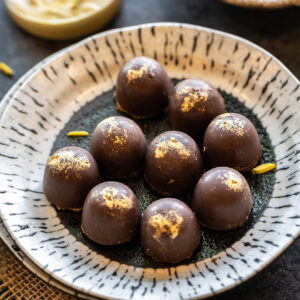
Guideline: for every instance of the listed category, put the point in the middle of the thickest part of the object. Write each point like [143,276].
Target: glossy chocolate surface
[231,140]
[70,174]
[195,104]
[111,214]
[169,231]
[173,163]
[222,199]
[143,88]
[119,146]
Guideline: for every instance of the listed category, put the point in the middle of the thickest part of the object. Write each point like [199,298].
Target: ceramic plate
[74,89]
[4,235]
[264,3]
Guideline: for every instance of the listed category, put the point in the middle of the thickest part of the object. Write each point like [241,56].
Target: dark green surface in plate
[212,242]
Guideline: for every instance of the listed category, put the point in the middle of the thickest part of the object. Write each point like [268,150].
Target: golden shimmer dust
[113,199]
[135,74]
[232,180]
[192,98]
[66,161]
[226,123]
[168,223]
[171,145]
[115,133]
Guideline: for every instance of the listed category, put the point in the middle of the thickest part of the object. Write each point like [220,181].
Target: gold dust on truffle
[226,123]
[232,181]
[65,161]
[169,223]
[171,145]
[113,198]
[192,98]
[135,74]
[115,134]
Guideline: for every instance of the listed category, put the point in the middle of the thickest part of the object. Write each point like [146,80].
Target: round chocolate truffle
[143,88]
[169,231]
[222,199]
[111,214]
[70,174]
[195,104]
[231,140]
[173,163]
[119,146]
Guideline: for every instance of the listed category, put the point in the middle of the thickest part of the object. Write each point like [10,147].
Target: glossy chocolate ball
[143,88]
[119,146]
[231,140]
[169,231]
[222,199]
[173,163]
[70,174]
[195,104]
[111,214]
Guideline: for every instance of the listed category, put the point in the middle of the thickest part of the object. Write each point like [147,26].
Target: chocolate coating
[111,214]
[143,88]
[195,104]
[173,163]
[70,174]
[222,199]
[119,146]
[231,140]
[169,231]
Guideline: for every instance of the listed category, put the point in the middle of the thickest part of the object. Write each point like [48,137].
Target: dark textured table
[277,31]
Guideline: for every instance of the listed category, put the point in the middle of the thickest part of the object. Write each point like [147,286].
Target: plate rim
[52,57]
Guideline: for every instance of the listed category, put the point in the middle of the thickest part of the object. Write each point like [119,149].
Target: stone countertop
[278,31]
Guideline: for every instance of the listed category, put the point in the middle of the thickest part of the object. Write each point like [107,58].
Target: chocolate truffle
[231,140]
[222,199]
[119,146]
[195,104]
[169,231]
[70,174]
[111,214]
[173,163]
[143,88]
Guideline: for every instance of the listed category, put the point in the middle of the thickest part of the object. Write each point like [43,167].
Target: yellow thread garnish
[6,69]
[113,198]
[135,74]
[78,133]
[232,180]
[69,163]
[264,168]
[226,123]
[169,223]
[172,144]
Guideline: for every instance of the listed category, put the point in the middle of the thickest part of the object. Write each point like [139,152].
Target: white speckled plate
[264,3]
[39,110]
[4,235]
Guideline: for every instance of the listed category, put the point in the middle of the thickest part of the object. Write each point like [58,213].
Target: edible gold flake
[232,180]
[135,74]
[66,161]
[115,133]
[193,97]
[113,198]
[225,122]
[168,223]
[171,144]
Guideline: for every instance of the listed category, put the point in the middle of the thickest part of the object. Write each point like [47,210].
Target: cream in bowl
[61,19]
